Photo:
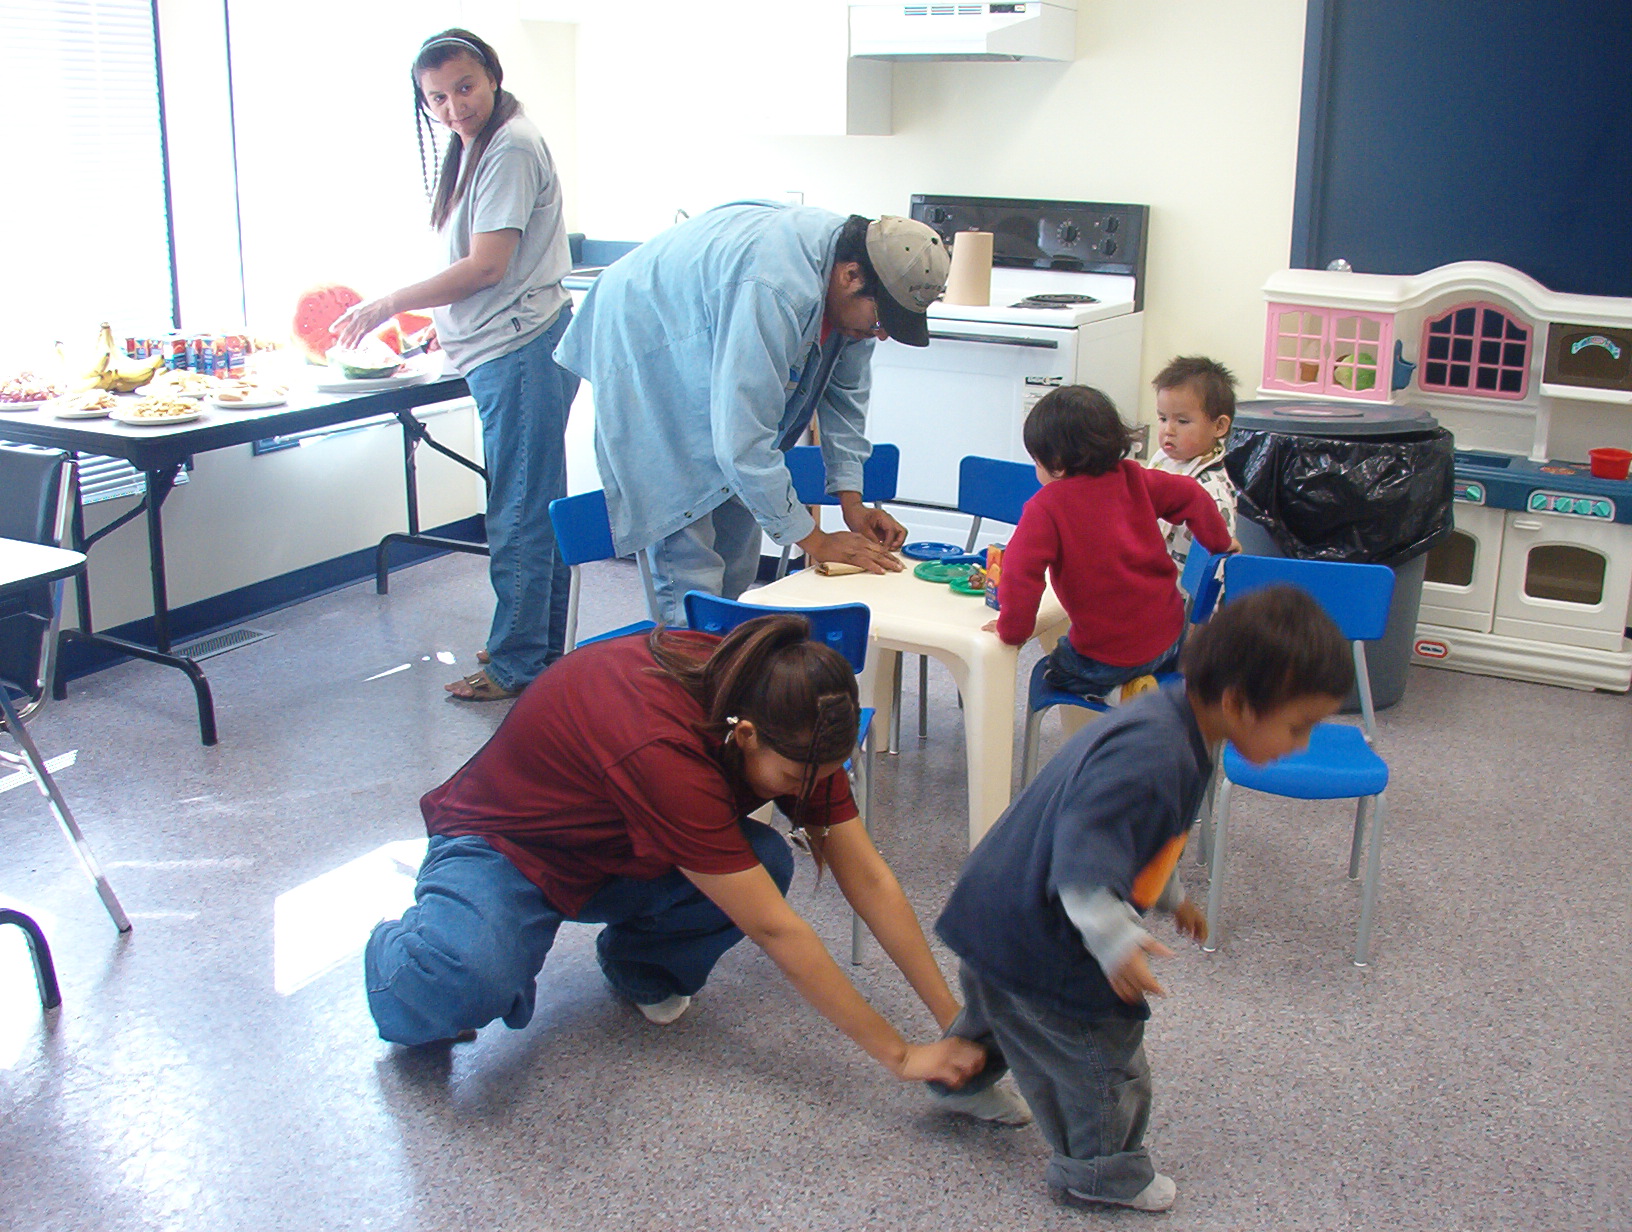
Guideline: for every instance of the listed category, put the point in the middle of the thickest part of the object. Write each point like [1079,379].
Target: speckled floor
[217,1069]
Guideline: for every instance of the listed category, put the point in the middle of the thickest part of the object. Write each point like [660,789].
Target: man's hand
[1132,981]
[1191,921]
[952,1060]
[848,548]
[874,523]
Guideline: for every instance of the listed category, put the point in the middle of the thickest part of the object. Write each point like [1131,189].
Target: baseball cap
[911,264]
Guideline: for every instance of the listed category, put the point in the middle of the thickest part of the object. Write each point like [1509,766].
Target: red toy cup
[1610,463]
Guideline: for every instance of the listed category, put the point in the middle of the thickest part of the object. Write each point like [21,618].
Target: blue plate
[947,553]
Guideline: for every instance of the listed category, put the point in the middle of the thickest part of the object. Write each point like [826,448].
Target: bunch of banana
[111,369]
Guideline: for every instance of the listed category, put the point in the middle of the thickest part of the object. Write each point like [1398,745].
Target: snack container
[136,348]
[994,570]
[178,354]
[237,347]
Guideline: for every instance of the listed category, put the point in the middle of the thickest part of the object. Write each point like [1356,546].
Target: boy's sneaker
[1156,1196]
[996,1103]
[1127,692]
[665,1011]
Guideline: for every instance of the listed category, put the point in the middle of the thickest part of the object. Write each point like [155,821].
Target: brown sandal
[480,687]
[482,657]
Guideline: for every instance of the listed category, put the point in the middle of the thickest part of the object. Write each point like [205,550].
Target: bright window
[83,213]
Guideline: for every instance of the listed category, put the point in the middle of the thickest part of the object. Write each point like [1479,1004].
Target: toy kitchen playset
[1536,386]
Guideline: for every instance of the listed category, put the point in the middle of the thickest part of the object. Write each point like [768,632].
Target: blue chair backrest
[879,474]
[843,626]
[1356,597]
[583,528]
[1201,580]
[990,488]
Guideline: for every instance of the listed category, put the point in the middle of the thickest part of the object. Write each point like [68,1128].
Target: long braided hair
[800,696]
[452,180]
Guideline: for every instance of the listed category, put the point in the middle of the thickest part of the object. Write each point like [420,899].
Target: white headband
[462,42]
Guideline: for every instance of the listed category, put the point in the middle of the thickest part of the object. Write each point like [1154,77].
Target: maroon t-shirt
[600,771]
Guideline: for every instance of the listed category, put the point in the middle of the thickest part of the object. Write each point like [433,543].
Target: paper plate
[963,588]
[941,572]
[931,551]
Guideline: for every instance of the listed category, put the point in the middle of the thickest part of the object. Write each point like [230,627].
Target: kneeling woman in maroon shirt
[617,792]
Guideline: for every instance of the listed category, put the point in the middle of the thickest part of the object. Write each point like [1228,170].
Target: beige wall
[1189,106]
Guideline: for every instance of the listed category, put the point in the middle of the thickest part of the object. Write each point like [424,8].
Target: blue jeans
[1071,671]
[523,399]
[471,947]
[1087,1082]
[717,554]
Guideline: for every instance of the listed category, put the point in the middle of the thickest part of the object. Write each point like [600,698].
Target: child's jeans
[1086,1081]
[1074,672]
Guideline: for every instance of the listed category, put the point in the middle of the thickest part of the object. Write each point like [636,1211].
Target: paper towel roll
[970,279]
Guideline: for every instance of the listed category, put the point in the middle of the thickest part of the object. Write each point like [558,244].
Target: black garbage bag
[1379,500]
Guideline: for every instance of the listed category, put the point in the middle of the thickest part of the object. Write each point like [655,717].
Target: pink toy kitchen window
[1477,350]
[1328,351]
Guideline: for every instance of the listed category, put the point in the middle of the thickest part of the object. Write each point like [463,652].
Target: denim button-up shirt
[705,353]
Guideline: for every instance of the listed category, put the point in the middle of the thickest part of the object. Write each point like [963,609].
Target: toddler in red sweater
[1093,530]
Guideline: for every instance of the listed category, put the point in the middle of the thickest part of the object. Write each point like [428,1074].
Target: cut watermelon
[316,310]
[391,336]
[412,322]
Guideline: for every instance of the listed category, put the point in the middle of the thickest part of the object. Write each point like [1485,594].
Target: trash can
[1347,481]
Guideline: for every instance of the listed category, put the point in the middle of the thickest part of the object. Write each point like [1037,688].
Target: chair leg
[45,971]
[864,766]
[1221,846]
[1204,819]
[1028,746]
[573,588]
[923,697]
[1359,832]
[895,711]
[65,816]
[1368,892]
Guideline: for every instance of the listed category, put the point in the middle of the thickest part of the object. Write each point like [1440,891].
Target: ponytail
[458,163]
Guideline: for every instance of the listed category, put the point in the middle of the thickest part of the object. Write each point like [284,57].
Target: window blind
[84,212]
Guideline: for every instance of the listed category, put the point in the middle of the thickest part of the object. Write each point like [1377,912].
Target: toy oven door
[1564,580]
[1459,583]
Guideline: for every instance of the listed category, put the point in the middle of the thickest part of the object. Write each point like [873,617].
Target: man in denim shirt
[710,349]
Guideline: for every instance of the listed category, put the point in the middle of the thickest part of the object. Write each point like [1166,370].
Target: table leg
[987,686]
[413,432]
[877,682]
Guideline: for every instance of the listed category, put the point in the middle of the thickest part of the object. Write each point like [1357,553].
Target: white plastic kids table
[925,618]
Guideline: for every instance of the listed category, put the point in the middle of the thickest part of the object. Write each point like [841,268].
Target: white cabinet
[744,66]
[1564,579]
[1459,583]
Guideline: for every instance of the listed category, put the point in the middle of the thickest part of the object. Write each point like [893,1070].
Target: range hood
[965,30]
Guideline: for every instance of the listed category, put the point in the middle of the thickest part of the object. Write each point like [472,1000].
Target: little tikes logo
[1427,648]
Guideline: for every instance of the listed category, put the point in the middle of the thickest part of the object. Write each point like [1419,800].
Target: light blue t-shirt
[515,187]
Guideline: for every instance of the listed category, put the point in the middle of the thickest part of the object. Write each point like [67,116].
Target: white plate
[24,406]
[250,404]
[340,385]
[100,412]
[124,416]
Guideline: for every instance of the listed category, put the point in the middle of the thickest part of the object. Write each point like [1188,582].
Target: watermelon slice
[316,310]
[412,322]
[391,335]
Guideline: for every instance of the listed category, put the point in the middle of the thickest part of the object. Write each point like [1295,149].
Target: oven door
[1564,580]
[967,392]
[1459,583]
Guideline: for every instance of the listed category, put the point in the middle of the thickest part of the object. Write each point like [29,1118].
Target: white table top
[907,613]
[23,564]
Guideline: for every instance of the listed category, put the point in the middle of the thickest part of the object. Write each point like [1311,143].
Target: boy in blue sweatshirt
[1045,917]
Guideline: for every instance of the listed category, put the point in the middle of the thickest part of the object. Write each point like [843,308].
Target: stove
[1067,301]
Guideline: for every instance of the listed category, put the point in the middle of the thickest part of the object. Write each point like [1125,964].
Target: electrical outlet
[793,198]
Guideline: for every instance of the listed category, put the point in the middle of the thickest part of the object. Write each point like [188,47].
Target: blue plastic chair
[844,627]
[879,475]
[583,534]
[1340,762]
[987,488]
[1200,584]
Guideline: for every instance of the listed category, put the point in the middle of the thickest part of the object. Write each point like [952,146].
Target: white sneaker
[996,1103]
[1156,1196]
[665,1011]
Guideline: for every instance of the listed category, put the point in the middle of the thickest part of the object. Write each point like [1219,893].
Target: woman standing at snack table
[499,310]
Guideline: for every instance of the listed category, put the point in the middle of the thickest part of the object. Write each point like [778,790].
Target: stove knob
[937,213]
[1109,247]
[1112,223]
[1069,234]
